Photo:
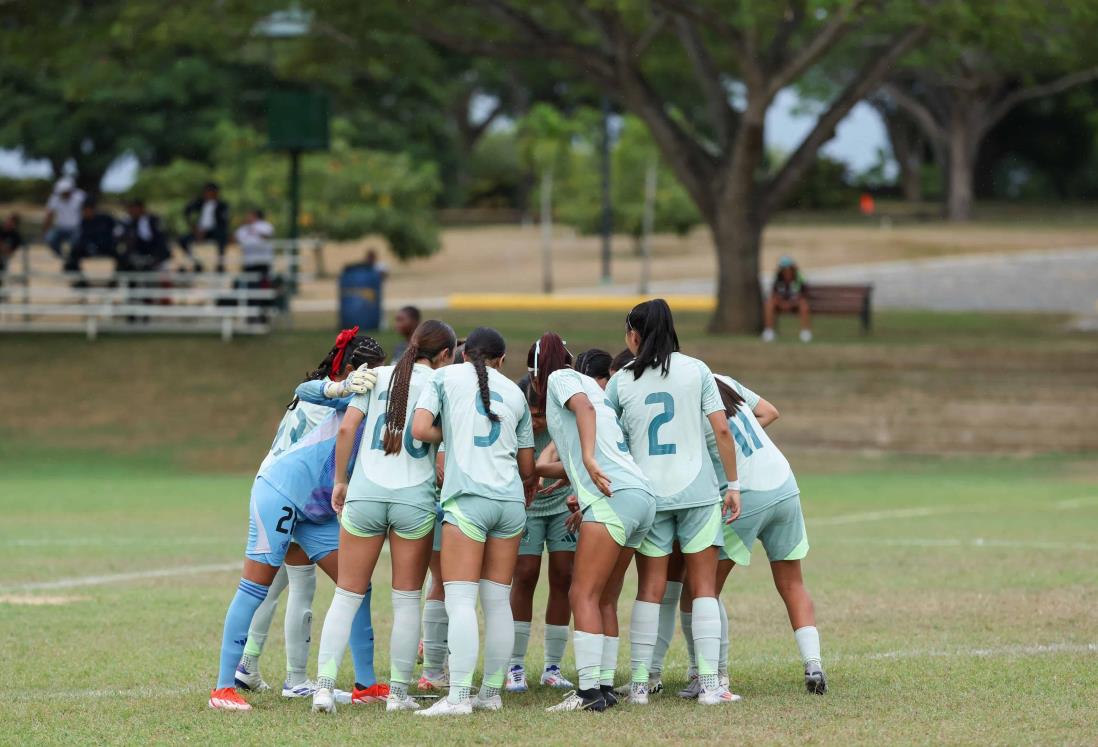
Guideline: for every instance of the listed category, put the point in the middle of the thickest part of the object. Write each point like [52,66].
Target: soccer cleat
[768,335]
[719,696]
[494,703]
[638,693]
[516,680]
[692,690]
[323,701]
[553,677]
[609,697]
[378,693]
[250,680]
[305,689]
[397,703]
[655,687]
[445,708]
[426,684]
[806,335]
[228,699]
[815,681]
[580,700]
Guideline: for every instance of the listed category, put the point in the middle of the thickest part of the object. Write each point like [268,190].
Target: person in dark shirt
[10,241]
[208,218]
[787,294]
[97,237]
[405,323]
[144,241]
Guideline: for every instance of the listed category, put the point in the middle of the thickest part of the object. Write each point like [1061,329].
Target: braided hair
[594,363]
[652,321]
[430,338]
[546,355]
[362,349]
[484,344]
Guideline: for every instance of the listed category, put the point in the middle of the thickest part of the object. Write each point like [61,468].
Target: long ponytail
[652,321]
[430,338]
[730,398]
[546,355]
[484,344]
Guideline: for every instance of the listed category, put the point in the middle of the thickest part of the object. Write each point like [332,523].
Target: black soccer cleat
[815,681]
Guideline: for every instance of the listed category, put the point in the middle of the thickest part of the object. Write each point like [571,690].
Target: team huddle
[597,462]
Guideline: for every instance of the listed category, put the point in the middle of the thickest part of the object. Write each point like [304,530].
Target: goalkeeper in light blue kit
[665,399]
[291,503]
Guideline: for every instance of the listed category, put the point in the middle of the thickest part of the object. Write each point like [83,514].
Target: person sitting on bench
[788,294]
[208,218]
[10,241]
[98,237]
[146,245]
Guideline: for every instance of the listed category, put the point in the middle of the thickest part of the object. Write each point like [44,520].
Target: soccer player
[617,504]
[771,513]
[290,502]
[546,530]
[488,482]
[664,399]
[391,495]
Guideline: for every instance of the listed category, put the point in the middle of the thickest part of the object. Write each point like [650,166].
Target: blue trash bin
[360,297]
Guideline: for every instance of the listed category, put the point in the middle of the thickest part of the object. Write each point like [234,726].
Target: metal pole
[647,219]
[607,207]
[295,200]
[546,231]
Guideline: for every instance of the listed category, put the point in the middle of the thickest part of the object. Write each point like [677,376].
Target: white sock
[722,662]
[668,607]
[707,639]
[808,641]
[299,620]
[261,621]
[405,636]
[643,628]
[588,649]
[435,624]
[522,640]
[609,660]
[463,635]
[556,640]
[687,621]
[499,635]
[335,634]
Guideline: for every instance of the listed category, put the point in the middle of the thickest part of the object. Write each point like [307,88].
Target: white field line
[974,542]
[110,541]
[919,512]
[114,578]
[1037,649]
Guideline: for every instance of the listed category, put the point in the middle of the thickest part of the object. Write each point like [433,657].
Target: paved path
[1056,281]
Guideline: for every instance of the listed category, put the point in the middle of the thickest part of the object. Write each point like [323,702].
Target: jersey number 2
[655,448]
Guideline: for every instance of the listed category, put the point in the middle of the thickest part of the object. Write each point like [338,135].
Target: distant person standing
[208,218]
[10,241]
[62,224]
[405,323]
[787,294]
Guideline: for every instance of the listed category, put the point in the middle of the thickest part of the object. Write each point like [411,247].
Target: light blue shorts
[627,515]
[274,523]
[366,518]
[695,529]
[547,533]
[480,518]
[780,528]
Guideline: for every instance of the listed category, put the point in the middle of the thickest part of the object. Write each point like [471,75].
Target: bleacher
[100,301]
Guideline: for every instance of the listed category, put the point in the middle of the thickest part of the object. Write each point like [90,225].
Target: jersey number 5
[493,430]
[655,448]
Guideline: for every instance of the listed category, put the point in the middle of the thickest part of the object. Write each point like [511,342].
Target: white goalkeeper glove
[357,382]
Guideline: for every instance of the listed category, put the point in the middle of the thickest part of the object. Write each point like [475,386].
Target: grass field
[954,582]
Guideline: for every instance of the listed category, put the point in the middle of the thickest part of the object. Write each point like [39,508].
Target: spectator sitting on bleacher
[98,237]
[256,249]
[62,222]
[10,241]
[208,218]
[787,294]
[145,244]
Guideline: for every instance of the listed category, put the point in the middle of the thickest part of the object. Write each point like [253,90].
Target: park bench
[840,300]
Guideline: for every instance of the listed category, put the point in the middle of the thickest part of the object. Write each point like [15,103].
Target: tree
[985,60]
[679,66]
[910,147]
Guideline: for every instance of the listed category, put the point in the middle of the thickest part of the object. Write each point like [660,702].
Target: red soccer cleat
[228,699]
[373,694]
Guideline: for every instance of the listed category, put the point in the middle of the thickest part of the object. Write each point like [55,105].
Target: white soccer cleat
[228,699]
[250,680]
[768,335]
[638,694]
[573,701]
[806,335]
[655,687]
[304,689]
[693,689]
[323,701]
[396,703]
[494,703]
[553,677]
[720,696]
[445,708]
[516,680]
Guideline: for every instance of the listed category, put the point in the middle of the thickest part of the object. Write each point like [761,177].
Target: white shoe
[445,708]
[396,703]
[574,702]
[638,694]
[442,682]
[304,689]
[494,703]
[516,680]
[806,335]
[693,689]
[553,677]
[655,687]
[768,335]
[719,696]
[250,680]
[323,701]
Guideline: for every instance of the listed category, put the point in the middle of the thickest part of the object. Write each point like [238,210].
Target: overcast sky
[857,141]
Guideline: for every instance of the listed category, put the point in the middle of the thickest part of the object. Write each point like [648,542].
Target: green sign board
[297,120]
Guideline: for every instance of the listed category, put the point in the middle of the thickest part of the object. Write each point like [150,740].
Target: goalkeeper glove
[357,382]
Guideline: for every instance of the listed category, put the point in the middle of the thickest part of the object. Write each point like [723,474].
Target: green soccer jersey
[554,502]
[664,416]
[480,453]
[611,453]
[407,477]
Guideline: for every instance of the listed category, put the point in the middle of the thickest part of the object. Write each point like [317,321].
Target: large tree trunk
[738,240]
[965,133]
[908,150]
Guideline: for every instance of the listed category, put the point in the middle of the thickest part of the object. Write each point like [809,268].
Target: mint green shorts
[627,515]
[780,526]
[480,518]
[372,518]
[547,533]
[695,529]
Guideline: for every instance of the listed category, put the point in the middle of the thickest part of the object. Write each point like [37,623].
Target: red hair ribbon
[342,341]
